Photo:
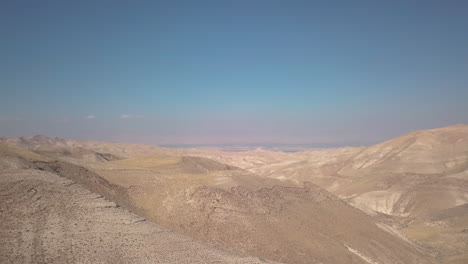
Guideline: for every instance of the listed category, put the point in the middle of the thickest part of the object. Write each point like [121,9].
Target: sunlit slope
[46,218]
[15,157]
[255,202]
[256,215]
[413,175]
[59,148]
[436,151]
[84,152]
[446,231]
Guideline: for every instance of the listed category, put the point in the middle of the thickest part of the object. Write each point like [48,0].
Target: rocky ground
[45,218]
[400,201]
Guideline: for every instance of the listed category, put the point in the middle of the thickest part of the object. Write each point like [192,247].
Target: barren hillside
[389,203]
[410,178]
[46,218]
[239,210]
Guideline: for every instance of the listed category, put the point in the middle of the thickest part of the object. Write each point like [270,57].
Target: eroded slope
[45,218]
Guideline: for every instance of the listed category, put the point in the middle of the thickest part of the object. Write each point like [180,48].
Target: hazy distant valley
[400,201]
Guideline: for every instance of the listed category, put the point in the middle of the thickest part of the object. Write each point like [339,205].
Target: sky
[232,72]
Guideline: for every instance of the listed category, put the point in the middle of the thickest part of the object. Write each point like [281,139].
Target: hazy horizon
[244,146]
[247,72]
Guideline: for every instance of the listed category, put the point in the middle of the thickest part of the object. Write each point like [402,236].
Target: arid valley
[238,132]
[404,200]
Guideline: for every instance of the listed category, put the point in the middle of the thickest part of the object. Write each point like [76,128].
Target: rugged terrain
[405,181]
[45,218]
[401,201]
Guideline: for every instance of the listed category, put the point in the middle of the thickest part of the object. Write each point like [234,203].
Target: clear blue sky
[232,71]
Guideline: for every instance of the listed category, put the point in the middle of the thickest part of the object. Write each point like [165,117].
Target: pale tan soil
[258,216]
[446,230]
[256,202]
[263,217]
[410,178]
[394,177]
[45,218]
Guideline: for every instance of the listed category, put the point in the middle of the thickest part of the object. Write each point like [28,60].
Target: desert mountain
[46,218]
[409,179]
[406,195]
[396,175]
[231,206]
